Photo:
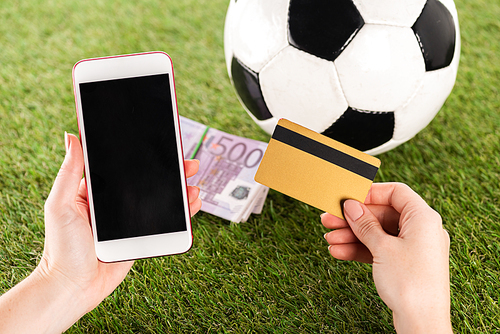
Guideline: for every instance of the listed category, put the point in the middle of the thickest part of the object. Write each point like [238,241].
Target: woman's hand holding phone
[69,246]
[69,280]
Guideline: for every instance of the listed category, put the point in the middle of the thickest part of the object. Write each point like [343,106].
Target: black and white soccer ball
[368,73]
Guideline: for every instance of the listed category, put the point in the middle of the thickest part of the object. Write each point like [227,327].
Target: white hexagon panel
[258,31]
[381,68]
[425,104]
[295,83]
[401,13]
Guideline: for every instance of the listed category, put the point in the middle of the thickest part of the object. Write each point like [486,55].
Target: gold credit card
[315,169]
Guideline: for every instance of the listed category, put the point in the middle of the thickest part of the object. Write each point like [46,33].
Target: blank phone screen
[133,157]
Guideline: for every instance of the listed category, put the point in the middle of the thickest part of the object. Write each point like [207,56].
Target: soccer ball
[368,73]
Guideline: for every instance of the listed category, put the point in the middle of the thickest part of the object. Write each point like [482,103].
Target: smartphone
[134,167]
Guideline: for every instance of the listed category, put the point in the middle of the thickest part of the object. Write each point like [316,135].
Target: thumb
[364,224]
[65,188]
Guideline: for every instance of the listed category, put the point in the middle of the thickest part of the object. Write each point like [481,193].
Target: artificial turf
[272,274]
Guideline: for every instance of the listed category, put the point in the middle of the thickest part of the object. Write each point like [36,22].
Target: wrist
[62,297]
[41,303]
[431,320]
[424,306]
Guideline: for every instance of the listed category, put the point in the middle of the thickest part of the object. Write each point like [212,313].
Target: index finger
[191,167]
[398,195]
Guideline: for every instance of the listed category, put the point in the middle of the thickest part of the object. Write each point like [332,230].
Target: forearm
[39,304]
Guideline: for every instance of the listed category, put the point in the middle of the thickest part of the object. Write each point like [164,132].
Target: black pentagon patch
[323,27]
[435,31]
[246,83]
[362,130]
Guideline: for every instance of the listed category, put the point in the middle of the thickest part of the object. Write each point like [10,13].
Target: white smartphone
[134,167]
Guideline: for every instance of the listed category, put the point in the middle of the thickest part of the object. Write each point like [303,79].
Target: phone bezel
[120,67]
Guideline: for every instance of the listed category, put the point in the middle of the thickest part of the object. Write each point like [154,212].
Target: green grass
[273,273]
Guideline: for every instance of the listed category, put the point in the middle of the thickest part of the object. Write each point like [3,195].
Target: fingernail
[321,215]
[66,141]
[353,210]
[324,236]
